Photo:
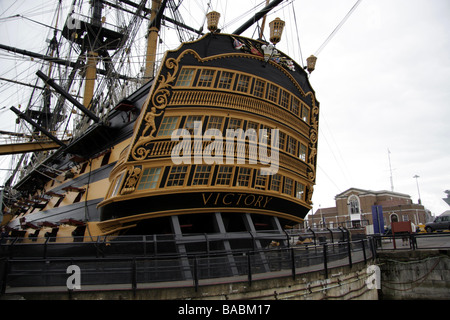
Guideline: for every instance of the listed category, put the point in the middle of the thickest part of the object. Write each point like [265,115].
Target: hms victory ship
[212,148]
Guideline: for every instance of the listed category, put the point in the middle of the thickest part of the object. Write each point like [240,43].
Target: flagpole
[390,169]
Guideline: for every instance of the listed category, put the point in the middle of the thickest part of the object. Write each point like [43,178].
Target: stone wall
[343,283]
[420,274]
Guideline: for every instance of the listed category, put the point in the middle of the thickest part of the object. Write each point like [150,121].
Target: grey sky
[382,83]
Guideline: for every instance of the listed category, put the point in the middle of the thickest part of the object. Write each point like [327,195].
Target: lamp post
[417,183]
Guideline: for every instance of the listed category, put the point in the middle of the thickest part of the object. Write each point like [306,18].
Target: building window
[258,90]
[215,122]
[177,176]
[225,80]
[224,176]
[201,175]
[299,190]
[206,78]
[243,83]
[185,77]
[190,122]
[287,188]
[353,203]
[149,178]
[168,124]
[244,177]
[275,183]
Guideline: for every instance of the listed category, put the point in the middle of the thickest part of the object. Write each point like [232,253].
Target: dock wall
[343,283]
[415,274]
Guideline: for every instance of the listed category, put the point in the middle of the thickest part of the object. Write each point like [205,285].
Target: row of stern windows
[250,130]
[214,175]
[243,83]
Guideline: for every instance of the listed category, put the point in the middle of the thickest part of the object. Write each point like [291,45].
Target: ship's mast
[152,38]
[92,55]
[261,32]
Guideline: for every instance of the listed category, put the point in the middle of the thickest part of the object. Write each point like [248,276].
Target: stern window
[185,77]
[149,178]
[177,176]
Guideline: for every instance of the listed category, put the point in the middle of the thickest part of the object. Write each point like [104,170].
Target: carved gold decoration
[133,177]
[158,100]
[160,97]
[313,135]
[309,193]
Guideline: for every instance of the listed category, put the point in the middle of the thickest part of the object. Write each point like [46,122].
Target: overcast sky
[382,83]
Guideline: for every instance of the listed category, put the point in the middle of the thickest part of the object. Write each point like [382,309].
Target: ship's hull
[121,177]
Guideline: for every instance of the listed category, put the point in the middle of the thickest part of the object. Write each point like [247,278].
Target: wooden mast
[150,57]
[91,75]
[263,24]
[92,56]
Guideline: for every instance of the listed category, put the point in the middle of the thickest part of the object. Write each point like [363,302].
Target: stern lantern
[276,29]
[213,20]
[311,63]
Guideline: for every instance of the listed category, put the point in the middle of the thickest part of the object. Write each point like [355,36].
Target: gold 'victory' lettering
[235,199]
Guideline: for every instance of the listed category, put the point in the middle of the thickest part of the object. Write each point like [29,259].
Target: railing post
[11,247]
[134,276]
[97,247]
[45,248]
[5,276]
[314,235]
[293,262]
[144,240]
[349,251]
[364,250]
[288,239]
[325,260]
[249,268]
[253,240]
[373,246]
[413,241]
[195,274]
[331,233]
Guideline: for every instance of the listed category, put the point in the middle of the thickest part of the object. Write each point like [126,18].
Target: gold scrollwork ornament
[158,100]
[133,177]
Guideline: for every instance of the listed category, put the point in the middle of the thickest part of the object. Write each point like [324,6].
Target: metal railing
[412,241]
[149,268]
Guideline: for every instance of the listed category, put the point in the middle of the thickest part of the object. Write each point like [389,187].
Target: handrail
[195,267]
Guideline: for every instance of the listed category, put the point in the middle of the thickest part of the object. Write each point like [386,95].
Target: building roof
[371,192]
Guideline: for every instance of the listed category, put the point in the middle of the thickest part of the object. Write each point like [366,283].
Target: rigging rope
[298,37]
[337,28]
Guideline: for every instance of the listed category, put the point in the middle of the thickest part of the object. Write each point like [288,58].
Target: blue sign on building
[377,217]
